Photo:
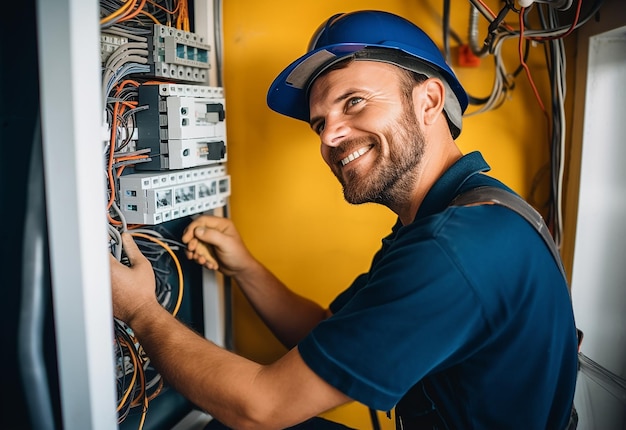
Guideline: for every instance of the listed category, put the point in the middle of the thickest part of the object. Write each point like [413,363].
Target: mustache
[339,152]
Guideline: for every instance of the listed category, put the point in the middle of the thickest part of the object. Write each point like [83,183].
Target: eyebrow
[346,95]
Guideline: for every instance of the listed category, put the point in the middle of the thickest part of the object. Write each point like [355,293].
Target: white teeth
[354,156]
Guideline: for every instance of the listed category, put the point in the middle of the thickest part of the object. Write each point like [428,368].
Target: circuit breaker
[153,198]
[184,126]
[178,54]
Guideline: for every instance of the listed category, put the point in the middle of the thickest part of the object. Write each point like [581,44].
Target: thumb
[200,232]
[131,249]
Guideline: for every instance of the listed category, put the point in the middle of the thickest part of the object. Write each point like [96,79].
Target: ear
[428,99]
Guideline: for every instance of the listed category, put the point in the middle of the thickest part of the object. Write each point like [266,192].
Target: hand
[132,287]
[215,243]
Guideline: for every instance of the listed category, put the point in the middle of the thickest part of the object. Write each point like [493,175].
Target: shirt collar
[449,185]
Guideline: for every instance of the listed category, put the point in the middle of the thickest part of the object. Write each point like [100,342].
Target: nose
[335,130]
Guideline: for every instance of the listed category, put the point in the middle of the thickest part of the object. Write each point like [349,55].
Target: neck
[437,159]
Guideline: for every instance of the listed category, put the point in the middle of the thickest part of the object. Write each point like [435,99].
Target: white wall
[599,269]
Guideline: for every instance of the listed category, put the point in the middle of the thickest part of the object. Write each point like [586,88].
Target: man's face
[369,135]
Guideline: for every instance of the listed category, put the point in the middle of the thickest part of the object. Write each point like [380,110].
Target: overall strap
[495,195]
[419,409]
[499,196]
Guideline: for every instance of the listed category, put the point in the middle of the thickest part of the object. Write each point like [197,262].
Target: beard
[392,178]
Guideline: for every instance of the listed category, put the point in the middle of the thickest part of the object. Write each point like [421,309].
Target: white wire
[117,247]
[500,84]
[127,69]
[117,210]
[559,70]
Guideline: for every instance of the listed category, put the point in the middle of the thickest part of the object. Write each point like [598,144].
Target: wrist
[249,272]
[143,313]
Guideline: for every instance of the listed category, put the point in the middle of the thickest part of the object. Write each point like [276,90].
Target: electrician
[464,319]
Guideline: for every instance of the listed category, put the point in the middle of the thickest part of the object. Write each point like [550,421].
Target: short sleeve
[374,348]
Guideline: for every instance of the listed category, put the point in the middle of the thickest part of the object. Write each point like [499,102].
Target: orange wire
[182,20]
[113,221]
[132,157]
[130,103]
[165,9]
[111,152]
[121,11]
[157,390]
[116,112]
[133,379]
[135,12]
[149,15]
[157,82]
[176,262]
[142,387]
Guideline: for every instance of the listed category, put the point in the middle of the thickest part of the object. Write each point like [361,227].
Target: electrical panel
[165,157]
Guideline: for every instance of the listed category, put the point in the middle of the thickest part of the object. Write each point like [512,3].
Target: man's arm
[215,243]
[237,391]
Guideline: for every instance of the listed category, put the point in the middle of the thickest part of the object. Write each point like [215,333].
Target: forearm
[238,392]
[216,380]
[215,243]
[288,315]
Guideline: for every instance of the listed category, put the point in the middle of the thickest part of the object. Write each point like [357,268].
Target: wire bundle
[556,20]
[145,12]
[159,250]
[612,383]
[137,381]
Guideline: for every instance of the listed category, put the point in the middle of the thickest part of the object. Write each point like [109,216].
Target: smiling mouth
[356,154]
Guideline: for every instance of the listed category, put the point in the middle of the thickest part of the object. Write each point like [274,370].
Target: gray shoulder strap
[499,196]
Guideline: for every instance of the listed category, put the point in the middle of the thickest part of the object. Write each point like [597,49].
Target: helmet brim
[289,92]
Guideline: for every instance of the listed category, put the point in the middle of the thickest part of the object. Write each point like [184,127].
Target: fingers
[208,222]
[204,253]
[131,287]
[200,235]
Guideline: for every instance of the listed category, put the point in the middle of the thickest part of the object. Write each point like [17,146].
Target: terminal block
[109,43]
[153,198]
[184,126]
[177,54]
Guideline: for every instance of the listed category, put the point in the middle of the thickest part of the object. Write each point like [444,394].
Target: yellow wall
[286,203]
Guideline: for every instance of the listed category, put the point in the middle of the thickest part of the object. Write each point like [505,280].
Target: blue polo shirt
[469,298]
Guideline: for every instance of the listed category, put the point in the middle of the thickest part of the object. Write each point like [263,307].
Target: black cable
[374,418]
[493,27]
[474,101]
[35,295]
[446,29]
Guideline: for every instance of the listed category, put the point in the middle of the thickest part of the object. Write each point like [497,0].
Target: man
[464,319]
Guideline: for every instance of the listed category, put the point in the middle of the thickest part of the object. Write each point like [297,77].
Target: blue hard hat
[346,34]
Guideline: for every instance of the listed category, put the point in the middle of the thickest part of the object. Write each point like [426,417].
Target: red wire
[523,63]
[570,30]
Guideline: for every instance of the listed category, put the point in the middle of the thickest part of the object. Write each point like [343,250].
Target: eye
[318,127]
[353,101]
